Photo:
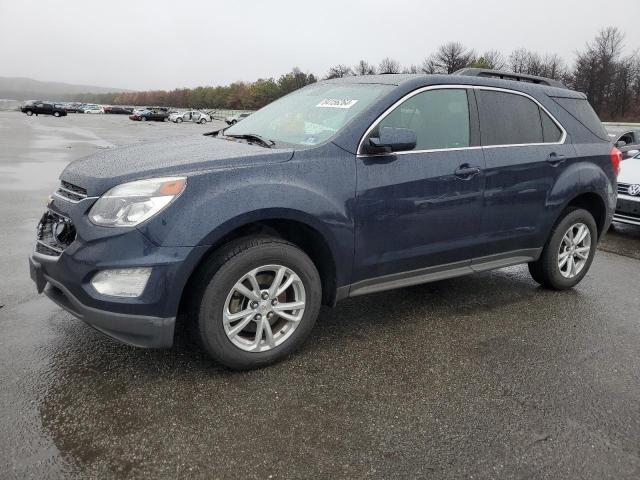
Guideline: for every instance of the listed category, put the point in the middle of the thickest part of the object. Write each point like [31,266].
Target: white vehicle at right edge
[628,206]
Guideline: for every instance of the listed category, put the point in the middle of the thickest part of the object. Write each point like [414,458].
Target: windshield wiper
[265,142]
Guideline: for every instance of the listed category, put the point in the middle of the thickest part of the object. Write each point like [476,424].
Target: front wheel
[255,302]
[178,120]
[569,252]
[203,121]
[29,112]
[56,114]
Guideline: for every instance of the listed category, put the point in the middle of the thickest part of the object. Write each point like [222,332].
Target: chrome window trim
[458,87]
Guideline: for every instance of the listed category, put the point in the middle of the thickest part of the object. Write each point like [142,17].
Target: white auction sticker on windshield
[337,103]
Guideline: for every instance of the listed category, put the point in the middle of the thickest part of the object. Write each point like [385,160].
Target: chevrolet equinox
[342,188]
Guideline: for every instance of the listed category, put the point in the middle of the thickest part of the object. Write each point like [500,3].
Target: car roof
[411,81]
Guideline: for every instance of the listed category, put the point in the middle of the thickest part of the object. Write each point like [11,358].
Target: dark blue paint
[378,215]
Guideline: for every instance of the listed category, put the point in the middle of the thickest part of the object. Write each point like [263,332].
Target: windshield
[310,116]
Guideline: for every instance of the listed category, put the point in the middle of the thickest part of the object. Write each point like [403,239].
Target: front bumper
[147,320]
[137,330]
[627,210]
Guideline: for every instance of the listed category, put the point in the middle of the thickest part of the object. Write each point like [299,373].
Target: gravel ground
[486,376]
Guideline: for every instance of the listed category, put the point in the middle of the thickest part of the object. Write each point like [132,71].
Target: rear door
[421,209]
[525,150]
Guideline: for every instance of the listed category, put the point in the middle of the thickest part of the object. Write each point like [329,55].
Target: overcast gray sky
[145,44]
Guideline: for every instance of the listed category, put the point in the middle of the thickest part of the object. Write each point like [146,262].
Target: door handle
[554,159]
[466,171]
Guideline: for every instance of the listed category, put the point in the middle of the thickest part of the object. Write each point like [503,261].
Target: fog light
[121,282]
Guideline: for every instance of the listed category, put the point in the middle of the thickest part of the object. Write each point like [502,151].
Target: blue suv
[343,188]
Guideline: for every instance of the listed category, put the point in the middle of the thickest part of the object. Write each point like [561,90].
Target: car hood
[175,156]
[629,171]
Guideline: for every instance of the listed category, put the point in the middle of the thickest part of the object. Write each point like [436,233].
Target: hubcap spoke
[283,288]
[246,292]
[268,334]
[240,326]
[288,306]
[277,281]
[287,316]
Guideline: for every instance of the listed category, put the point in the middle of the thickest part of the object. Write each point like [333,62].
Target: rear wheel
[256,301]
[56,114]
[29,112]
[203,121]
[569,252]
[144,119]
[179,120]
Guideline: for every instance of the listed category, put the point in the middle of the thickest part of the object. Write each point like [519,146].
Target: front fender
[318,193]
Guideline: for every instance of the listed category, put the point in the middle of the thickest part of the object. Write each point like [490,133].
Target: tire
[202,122]
[179,120]
[29,112]
[233,122]
[144,119]
[56,114]
[547,270]
[215,292]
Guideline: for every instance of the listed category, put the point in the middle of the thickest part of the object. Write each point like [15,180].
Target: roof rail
[518,77]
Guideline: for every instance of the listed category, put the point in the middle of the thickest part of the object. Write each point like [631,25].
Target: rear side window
[439,117]
[550,131]
[509,119]
[580,109]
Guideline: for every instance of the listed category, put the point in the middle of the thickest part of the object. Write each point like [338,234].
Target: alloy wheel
[264,308]
[574,250]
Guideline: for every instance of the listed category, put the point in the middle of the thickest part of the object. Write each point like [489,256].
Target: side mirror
[391,139]
[620,143]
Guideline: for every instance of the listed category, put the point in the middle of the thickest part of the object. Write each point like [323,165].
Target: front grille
[71,192]
[54,234]
[623,188]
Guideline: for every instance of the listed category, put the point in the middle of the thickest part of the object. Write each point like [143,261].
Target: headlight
[131,203]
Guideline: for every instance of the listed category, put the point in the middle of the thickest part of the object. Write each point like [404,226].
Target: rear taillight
[616,158]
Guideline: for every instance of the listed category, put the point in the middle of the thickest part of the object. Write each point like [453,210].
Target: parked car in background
[118,110]
[74,107]
[233,119]
[153,115]
[190,116]
[93,109]
[43,108]
[343,188]
[628,143]
[628,204]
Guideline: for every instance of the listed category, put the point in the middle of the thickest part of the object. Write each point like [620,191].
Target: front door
[421,209]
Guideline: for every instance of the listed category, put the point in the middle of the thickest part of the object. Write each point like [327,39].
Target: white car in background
[189,116]
[628,206]
[94,109]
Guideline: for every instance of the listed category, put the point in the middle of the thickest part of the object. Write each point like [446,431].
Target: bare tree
[491,59]
[410,69]
[388,65]
[596,67]
[525,61]
[364,68]
[449,58]
[339,71]
[552,66]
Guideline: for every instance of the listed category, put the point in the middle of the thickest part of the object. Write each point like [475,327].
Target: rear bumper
[137,330]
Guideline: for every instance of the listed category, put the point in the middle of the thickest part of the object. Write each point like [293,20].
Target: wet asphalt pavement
[486,376]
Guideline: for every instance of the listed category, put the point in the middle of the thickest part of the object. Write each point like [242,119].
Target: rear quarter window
[580,109]
[508,119]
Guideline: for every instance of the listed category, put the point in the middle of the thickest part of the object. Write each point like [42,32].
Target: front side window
[310,116]
[512,119]
[439,117]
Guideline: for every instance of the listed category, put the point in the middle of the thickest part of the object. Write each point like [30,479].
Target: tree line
[610,79]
